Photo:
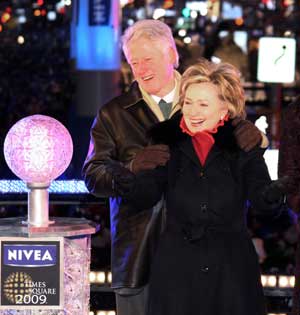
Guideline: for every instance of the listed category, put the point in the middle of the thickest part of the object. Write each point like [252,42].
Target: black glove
[247,135]
[150,157]
[275,192]
[123,181]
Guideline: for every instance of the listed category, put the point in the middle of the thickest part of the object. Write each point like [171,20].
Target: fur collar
[169,132]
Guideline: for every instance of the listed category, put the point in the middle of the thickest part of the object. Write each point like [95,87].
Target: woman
[205,263]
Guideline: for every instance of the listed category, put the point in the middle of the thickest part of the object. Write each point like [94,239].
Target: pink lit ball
[38,149]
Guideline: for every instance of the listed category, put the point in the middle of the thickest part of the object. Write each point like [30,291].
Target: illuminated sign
[31,275]
[276,59]
[99,12]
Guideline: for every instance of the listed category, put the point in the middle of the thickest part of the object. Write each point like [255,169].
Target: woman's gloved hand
[276,191]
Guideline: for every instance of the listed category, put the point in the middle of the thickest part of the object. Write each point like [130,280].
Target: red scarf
[202,140]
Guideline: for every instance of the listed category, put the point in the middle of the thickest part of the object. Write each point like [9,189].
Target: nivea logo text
[29,255]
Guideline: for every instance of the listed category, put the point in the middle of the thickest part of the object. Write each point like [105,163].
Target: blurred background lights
[286,281]
[51,16]
[130,22]
[283,282]
[68,2]
[194,14]
[60,6]
[292,281]
[22,19]
[180,21]
[109,277]
[182,33]
[186,12]
[101,277]
[203,9]
[214,18]
[37,12]
[92,276]
[215,59]
[262,124]
[21,40]
[271,281]
[187,40]
[159,13]
[263,280]
[288,33]
[5,17]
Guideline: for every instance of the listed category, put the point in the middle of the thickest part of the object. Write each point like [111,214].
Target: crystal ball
[38,149]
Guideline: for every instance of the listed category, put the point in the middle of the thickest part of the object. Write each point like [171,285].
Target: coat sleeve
[289,156]
[256,180]
[149,187]
[101,160]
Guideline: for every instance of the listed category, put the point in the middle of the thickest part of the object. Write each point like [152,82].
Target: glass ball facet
[38,149]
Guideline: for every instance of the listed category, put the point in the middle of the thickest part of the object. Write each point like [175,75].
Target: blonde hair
[153,30]
[223,75]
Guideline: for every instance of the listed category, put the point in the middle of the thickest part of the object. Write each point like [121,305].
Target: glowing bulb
[271,281]
[158,13]
[21,40]
[182,33]
[101,277]
[22,19]
[51,15]
[92,276]
[109,277]
[194,14]
[292,281]
[187,40]
[37,12]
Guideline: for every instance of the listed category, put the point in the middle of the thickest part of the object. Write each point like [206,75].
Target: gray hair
[152,29]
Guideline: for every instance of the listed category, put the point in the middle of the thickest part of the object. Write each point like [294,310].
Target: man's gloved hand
[150,157]
[123,181]
[277,189]
[247,135]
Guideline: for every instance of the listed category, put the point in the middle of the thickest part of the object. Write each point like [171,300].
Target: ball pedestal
[76,266]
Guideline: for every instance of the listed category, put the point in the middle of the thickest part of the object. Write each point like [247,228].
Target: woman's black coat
[205,263]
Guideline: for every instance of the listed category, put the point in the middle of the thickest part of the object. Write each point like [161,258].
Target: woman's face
[202,108]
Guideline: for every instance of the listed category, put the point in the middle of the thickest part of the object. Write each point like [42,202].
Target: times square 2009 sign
[31,274]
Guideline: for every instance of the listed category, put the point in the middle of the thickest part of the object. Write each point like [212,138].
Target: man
[119,141]
[289,165]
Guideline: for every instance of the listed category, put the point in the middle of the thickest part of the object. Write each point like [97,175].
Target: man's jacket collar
[132,97]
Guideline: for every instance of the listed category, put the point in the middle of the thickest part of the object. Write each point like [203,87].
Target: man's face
[152,65]
[202,108]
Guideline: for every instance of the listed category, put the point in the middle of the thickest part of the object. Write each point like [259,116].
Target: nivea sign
[29,255]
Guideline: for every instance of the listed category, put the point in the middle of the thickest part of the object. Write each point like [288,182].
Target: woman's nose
[194,110]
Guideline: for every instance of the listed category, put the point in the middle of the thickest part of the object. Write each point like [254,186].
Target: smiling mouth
[147,78]
[196,123]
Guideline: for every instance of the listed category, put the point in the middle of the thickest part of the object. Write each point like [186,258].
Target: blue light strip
[56,187]
[96,46]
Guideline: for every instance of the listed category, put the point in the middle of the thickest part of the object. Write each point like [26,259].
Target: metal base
[60,227]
